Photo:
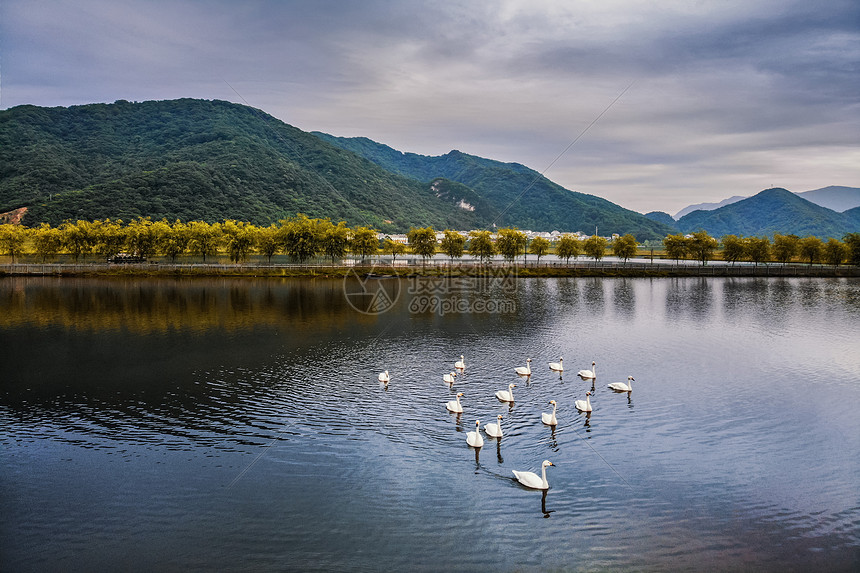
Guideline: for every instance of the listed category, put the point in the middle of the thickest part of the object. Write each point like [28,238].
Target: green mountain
[519,196]
[853,217]
[213,160]
[661,217]
[771,211]
[204,160]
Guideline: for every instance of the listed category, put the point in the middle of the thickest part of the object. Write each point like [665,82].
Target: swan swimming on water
[557,366]
[449,378]
[383,376]
[460,364]
[588,373]
[531,479]
[525,370]
[474,439]
[549,419]
[584,405]
[454,405]
[621,386]
[506,395]
[494,430]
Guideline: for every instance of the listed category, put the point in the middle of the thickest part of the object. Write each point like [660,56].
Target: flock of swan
[494,430]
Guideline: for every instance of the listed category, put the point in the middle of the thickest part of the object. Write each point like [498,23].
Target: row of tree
[303,238]
[783,248]
[510,244]
[299,237]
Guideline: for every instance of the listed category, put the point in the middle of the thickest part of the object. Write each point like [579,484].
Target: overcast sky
[653,105]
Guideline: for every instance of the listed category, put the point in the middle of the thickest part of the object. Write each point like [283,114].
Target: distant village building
[551,236]
[396,238]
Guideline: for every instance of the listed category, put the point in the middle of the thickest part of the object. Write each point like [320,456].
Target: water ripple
[723,456]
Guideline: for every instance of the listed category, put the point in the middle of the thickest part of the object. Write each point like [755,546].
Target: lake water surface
[238,424]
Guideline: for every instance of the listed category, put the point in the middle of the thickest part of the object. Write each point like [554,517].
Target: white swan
[474,439]
[454,405]
[531,479]
[460,364]
[525,370]
[584,405]
[549,419]
[383,376]
[588,373]
[506,395]
[557,366]
[449,378]
[621,386]
[494,430]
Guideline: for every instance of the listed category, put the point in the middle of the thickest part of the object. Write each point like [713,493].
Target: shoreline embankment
[435,269]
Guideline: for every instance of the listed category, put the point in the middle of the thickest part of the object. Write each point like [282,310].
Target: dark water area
[238,424]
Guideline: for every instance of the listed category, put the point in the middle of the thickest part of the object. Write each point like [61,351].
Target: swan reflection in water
[587,423]
[553,442]
[499,457]
[543,508]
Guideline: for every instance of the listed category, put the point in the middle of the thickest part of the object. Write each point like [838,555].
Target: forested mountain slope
[521,196]
[200,160]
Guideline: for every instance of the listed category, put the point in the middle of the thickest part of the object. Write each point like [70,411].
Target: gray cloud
[727,98]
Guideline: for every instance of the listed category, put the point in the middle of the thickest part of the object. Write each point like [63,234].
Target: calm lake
[238,424]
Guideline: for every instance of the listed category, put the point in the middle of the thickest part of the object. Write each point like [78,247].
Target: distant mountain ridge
[835,197]
[707,206]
